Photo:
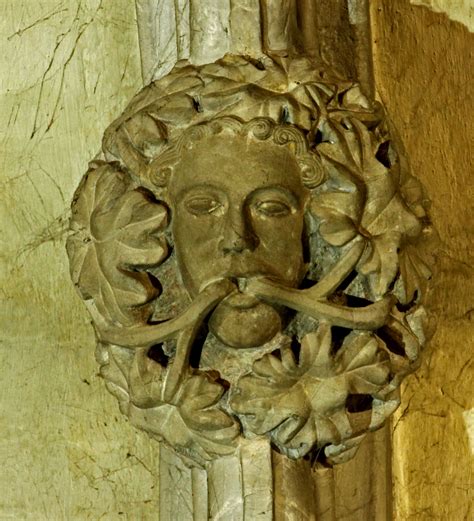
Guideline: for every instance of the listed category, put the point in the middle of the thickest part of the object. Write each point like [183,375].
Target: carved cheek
[197,243]
[279,233]
[197,235]
[280,242]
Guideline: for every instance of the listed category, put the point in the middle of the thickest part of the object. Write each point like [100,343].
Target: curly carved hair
[159,170]
[284,102]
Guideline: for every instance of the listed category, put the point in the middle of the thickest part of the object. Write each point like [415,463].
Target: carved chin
[244,326]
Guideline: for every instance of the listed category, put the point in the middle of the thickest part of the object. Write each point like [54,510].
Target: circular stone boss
[285,212]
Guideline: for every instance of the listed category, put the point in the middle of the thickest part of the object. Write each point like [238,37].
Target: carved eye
[202,205]
[273,208]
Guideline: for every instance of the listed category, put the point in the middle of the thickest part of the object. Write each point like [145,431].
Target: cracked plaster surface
[66,452]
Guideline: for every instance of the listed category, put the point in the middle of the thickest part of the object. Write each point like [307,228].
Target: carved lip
[240,299]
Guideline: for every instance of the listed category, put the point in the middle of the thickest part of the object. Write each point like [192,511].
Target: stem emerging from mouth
[370,317]
[313,302]
[147,335]
[330,282]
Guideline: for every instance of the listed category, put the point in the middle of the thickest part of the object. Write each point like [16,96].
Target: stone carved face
[238,213]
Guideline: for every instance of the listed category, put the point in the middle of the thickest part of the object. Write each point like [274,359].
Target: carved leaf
[414,274]
[302,404]
[114,369]
[362,199]
[112,240]
[190,421]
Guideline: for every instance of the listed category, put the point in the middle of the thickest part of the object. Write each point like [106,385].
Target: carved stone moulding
[246,243]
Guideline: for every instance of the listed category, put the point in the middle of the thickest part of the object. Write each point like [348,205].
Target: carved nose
[235,245]
[238,235]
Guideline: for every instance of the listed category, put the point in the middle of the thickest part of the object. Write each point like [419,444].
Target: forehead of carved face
[238,212]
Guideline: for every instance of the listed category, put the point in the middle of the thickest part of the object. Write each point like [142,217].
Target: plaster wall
[69,68]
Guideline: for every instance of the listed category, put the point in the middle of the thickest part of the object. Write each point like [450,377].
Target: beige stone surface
[424,63]
[68,68]
[67,454]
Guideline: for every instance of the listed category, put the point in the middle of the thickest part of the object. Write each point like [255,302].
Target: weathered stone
[261,263]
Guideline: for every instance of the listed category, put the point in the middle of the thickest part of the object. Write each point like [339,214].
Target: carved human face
[238,212]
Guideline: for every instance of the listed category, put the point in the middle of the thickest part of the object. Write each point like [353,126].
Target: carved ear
[136,141]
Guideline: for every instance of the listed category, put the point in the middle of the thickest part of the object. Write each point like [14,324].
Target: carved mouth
[240,299]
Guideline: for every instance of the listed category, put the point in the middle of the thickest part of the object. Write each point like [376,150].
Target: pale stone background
[68,68]
[458,10]
[66,453]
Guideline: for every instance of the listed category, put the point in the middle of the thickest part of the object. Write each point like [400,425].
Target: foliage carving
[352,325]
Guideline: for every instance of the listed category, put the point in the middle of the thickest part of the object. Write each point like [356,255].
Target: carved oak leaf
[302,404]
[189,420]
[112,240]
[414,274]
[362,199]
